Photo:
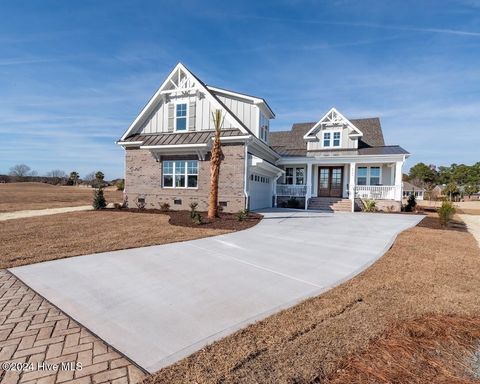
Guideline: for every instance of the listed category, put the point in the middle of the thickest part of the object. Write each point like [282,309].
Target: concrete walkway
[159,304]
[41,212]
[473,225]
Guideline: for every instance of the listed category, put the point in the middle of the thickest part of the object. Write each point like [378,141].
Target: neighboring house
[326,164]
[437,192]
[410,189]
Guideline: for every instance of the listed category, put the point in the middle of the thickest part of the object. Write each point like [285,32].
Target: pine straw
[430,349]
[429,270]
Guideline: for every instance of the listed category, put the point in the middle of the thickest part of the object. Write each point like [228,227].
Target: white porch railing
[291,190]
[376,192]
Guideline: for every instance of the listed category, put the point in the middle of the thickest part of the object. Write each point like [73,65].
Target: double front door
[330,180]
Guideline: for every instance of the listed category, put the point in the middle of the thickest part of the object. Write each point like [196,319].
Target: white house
[328,164]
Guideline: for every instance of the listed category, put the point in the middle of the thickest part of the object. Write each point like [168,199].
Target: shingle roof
[198,137]
[291,143]
[410,187]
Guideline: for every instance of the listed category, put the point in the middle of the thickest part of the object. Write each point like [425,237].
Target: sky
[75,74]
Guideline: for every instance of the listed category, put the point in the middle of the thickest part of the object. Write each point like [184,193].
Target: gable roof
[332,117]
[292,143]
[179,70]
[410,187]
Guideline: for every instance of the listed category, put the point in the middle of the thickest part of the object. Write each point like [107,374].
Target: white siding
[246,112]
[347,142]
[157,121]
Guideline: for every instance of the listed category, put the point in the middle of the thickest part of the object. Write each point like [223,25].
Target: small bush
[446,212]
[197,218]
[369,205]
[193,210]
[140,203]
[165,207]
[242,214]
[220,209]
[99,201]
[117,205]
[125,202]
[411,204]
[293,203]
[120,185]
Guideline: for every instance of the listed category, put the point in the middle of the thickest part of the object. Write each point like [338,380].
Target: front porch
[314,185]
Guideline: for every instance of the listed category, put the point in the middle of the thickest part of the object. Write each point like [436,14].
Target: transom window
[181,117]
[332,139]
[368,175]
[294,176]
[180,174]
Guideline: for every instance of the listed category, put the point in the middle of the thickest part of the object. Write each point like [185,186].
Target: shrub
[121,185]
[125,202]
[164,207]
[117,205]
[140,203]
[446,212]
[369,205]
[99,201]
[193,210]
[197,218]
[242,214]
[411,203]
[293,203]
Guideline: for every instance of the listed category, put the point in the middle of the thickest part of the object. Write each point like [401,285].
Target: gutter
[245,173]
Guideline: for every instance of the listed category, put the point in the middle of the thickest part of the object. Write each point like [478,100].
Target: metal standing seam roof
[198,137]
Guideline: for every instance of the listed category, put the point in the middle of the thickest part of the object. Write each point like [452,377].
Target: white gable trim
[326,120]
[160,94]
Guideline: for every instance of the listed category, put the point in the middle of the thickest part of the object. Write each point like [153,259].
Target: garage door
[260,192]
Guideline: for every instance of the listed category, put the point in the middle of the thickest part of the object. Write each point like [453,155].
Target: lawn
[24,196]
[35,239]
[411,317]
[467,207]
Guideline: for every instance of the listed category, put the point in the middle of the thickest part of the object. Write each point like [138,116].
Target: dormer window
[326,139]
[332,139]
[181,117]
[263,127]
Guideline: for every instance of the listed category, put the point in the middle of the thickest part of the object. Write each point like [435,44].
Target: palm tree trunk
[215,161]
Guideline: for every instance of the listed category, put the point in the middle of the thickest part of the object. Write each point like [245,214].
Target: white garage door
[260,192]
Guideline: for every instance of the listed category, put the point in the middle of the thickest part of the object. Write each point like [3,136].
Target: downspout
[245,174]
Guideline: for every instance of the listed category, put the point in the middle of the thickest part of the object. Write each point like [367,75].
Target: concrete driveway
[159,304]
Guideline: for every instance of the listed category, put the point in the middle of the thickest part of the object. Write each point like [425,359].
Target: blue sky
[74,74]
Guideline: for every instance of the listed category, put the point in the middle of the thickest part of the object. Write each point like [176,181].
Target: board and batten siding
[158,121]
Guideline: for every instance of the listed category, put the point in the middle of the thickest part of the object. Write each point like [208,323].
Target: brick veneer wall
[143,178]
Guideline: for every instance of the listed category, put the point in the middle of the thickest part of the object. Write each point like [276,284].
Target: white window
[181,117]
[369,175]
[326,139]
[374,175]
[362,175]
[295,176]
[336,139]
[180,174]
[264,123]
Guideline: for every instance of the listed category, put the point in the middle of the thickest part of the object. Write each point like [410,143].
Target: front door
[330,180]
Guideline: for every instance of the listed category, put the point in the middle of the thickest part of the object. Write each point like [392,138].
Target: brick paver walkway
[35,333]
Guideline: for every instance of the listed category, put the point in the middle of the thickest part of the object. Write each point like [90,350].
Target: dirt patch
[428,271]
[35,239]
[25,196]
[226,221]
[440,349]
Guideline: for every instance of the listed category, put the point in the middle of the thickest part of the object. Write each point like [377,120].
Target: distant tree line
[457,179]
[23,173]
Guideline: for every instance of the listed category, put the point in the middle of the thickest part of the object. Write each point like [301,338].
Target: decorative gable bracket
[332,118]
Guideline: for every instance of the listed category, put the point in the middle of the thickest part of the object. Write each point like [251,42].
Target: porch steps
[331,204]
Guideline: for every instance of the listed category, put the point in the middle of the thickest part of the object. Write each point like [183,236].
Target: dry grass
[31,240]
[23,196]
[428,272]
[467,207]
[430,349]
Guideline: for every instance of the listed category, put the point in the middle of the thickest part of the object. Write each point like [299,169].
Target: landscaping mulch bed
[431,274]
[226,221]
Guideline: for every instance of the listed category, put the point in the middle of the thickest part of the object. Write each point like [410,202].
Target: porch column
[308,193]
[351,185]
[398,180]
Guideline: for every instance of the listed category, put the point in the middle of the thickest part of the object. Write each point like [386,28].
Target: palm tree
[215,161]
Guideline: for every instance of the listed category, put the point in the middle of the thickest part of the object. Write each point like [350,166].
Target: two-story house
[328,164]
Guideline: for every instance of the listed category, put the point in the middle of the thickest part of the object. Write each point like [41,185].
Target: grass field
[25,196]
[35,239]
[379,318]
[468,207]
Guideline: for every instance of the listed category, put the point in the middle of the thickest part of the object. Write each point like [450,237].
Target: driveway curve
[159,304]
